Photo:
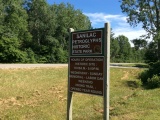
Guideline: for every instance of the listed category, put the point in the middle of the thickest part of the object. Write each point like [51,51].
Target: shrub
[144,76]
[138,83]
[151,77]
[154,82]
[154,69]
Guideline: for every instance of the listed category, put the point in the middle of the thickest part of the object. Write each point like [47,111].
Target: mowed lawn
[41,94]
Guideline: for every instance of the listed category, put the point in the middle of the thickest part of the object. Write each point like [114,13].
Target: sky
[102,11]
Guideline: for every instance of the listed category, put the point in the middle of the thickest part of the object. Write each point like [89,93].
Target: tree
[34,31]
[49,26]
[42,26]
[114,49]
[125,48]
[1,17]
[67,17]
[14,32]
[151,52]
[146,12]
[139,43]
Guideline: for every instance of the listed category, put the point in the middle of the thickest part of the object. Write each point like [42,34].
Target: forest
[32,31]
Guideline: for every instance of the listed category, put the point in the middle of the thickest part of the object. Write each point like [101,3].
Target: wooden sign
[89,65]
[87,42]
[87,75]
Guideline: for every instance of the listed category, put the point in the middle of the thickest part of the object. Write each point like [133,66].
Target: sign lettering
[85,43]
[86,74]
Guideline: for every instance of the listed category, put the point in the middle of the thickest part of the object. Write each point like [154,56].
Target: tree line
[141,51]
[32,31]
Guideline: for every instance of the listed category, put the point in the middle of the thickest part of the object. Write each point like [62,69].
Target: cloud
[118,23]
[129,32]
[123,28]
[98,18]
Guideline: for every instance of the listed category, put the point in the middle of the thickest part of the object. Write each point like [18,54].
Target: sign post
[69,97]
[88,69]
[107,69]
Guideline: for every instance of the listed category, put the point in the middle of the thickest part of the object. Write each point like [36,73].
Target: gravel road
[13,66]
[9,66]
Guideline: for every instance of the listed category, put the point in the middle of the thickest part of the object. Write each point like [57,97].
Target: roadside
[115,65]
[13,66]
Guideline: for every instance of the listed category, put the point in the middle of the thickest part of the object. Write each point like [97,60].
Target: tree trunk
[159,49]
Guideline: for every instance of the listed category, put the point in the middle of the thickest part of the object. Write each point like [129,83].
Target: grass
[41,94]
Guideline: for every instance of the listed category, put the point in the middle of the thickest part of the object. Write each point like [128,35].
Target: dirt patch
[7,103]
[36,97]
[125,75]
[57,91]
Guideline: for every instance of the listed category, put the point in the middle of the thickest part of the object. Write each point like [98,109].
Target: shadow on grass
[137,84]
[141,65]
[132,84]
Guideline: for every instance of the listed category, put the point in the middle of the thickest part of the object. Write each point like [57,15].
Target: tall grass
[41,94]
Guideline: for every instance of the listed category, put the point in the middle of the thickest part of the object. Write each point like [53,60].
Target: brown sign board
[87,42]
[87,75]
[88,69]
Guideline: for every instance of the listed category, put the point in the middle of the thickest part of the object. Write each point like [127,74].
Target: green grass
[41,94]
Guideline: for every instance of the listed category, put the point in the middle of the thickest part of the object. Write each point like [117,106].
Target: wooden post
[69,97]
[107,68]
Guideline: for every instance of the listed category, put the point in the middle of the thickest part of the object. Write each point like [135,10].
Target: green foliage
[61,55]
[14,33]
[155,69]
[138,83]
[49,28]
[9,50]
[30,56]
[151,76]
[144,76]
[114,48]
[154,82]
[121,50]
[151,54]
[33,31]
[139,43]
[145,12]
[142,11]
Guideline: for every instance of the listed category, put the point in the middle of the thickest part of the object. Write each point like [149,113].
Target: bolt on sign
[87,62]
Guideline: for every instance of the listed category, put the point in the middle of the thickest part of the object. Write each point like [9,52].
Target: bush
[144,76]
[138,83]
[154,82]
[151,77]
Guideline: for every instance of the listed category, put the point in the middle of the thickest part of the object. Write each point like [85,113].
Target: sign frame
[106,68]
